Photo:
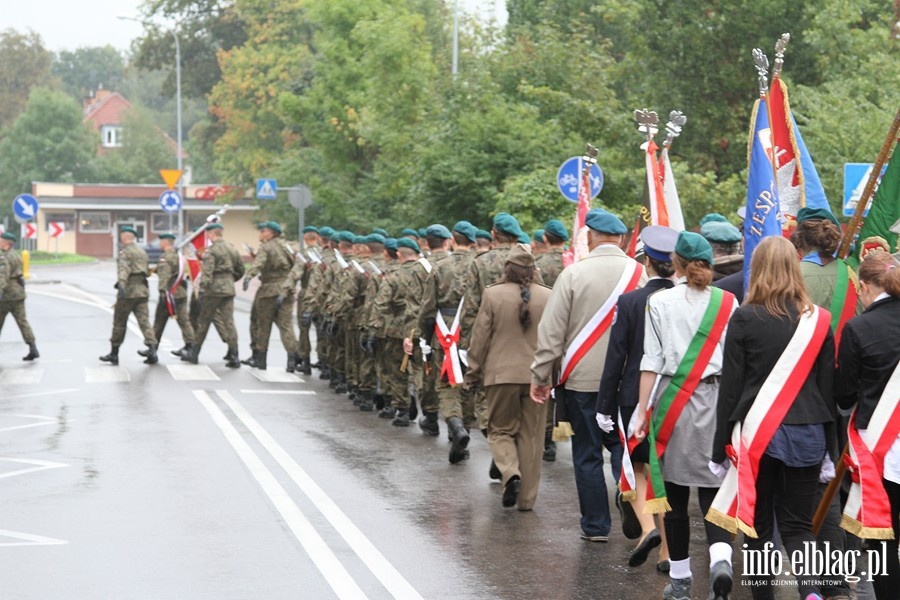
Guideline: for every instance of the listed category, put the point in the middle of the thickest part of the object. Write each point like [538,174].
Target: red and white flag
[670,193]
[579,246]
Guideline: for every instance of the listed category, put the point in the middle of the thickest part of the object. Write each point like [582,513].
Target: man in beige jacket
[575,327]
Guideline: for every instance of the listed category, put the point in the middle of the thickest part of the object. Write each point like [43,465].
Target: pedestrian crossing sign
[266,189]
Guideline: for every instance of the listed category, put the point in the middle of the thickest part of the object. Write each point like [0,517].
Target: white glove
[720,469]
[826,472]
[426,349]
[605,422]
[464,357]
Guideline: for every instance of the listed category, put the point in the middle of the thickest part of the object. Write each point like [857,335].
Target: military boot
[191,354]
[145,352]
[291,362]
[401,419]
[324,371]
[413,408]
[303,366]
[32,352]
[460,440]
[341,387]
[549,446]
[152,357]
[261,356]
[387,412]
[380,401]
[366,403]
[250,362]
[355,395]
[113,356]
[429,423]
[180,352]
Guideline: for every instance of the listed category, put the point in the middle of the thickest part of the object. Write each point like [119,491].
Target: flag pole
[857,220]
[761,62]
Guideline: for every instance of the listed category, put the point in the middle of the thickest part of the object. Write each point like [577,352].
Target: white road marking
[284,392]
[110,374]
[319,552]
[94,301]
[395,583]
[47,393]
[39,465]
[21,376]
[42,420]
[275,376]
[28,539]
[192,373]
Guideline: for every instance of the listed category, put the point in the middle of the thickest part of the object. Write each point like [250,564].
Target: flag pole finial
[673,127]
[590,154]
[780,47]
[761,62]
[648,122]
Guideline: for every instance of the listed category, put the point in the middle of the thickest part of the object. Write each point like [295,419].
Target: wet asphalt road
[237,484]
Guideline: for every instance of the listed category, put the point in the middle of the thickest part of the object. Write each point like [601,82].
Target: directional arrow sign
[56,228]
[30,231]
[25,206]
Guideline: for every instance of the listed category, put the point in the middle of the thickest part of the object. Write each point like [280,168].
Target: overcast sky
[70,24]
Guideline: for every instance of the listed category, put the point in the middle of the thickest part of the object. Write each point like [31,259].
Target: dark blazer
[621,372]
[754,342]
[733,283]
[867,357]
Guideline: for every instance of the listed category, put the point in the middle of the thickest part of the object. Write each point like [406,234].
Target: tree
[47,142]
[85,70]
[145,150]
[24,64]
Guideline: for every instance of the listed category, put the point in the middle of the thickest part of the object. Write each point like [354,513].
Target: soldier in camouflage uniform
[369,374]
[483,241]
[132,267]
[383,369]
[444,289]
[349,303]
[338,311]
[538,244]
[275,297]
[221,268]
[303,273]
[254,306]
[319,284]
[550,265]
[421,379]
[391,320]
[12,292]
[172,285]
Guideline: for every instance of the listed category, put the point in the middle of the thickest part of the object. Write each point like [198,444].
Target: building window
[67,219]
[111,136]
[163,223]
[93,222]
[194,221]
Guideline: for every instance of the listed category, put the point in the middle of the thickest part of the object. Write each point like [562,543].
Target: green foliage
[85,70]
[24,64]
[145,150]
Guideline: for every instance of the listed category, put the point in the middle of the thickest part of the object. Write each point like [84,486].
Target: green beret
[210,226]
[390,244]
[326,232]
[273,226]
[375,238]
[555,228]
[506,223]
[409,231]
[538,235]
[485,235]
[720,233]
[405,242]
[712,218]
[8,235]
[310,229]
[127,229]
[382,232]
[167,236]
[346,237]
[261,225]
[602,221]
[360,239]
[693,246]
[466,229]
[816,214]
[523,238]
[422,232]
[439,231]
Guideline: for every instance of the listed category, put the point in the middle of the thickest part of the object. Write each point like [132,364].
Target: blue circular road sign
[569,175]
[170,201]
[25,207]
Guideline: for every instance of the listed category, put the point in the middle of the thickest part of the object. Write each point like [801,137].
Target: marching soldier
[274,299]
[538,244]
[133,267]
[12,292]
[369,371]
[254,306]
[304,272]
[173,296]
[483,241]
[221,268]
[339,311]
[319,285]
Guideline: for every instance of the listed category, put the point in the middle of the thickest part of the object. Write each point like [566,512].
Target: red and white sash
[601,321]
[735,505]
[627,483]
[449,338]
[867,512]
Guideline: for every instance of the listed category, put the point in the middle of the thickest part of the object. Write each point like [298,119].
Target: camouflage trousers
[161,317]
[454,401]
[124,308]
[267,314]
[351,356]
[423,382]
[395,382]
[337,354]
[16,308]
[368,373]
[304,346]
[218,311]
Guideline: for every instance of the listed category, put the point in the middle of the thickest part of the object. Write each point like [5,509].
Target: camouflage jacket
[222,266]
[11,279]
[133,268]
[302,273]
[396,306]
[167,272]
[373,284]
[444,288]
[550,264]
[273,263]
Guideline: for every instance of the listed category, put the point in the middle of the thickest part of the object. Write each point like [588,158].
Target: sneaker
[720,581]
[678,589]
[595,538]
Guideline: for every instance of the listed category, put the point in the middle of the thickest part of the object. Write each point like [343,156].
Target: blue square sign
[266,189]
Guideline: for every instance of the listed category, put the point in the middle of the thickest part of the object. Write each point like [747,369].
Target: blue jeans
[587,458]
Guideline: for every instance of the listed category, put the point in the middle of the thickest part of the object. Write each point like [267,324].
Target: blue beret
[816,214]
[390,244]
[466,229]
[405,242]
[538,235]
[375,238]
[439,231]
[167,236]
[693,246]
[485,235]
[712,217]
[421,232]
[130,229]
[659,242]
[310,229]
[409,231]
[721,233]
[556,228]
[382,232]
[506,223]
[605,222]
[326,232]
